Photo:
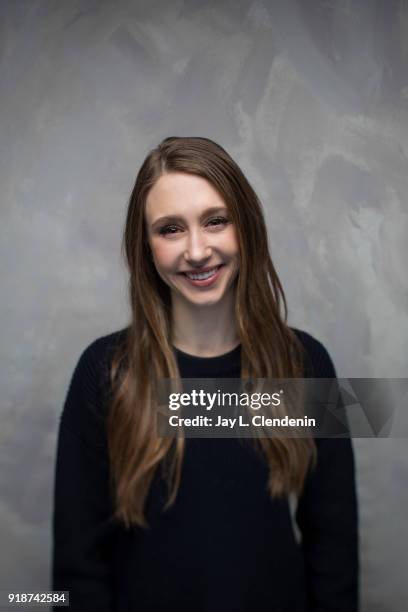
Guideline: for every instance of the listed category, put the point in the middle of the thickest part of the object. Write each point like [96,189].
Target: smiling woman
[149,523]
[195,251]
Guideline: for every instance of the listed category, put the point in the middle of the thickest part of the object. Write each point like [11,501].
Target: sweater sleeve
[82,526]
[327,516]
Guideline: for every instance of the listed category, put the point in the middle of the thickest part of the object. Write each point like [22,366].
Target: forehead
[181,193]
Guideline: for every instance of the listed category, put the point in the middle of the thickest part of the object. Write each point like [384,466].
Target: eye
[218,221]
[168,229]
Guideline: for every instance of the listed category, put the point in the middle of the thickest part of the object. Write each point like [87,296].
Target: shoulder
[97,355]
[86,402]
[90,380]
[318,363]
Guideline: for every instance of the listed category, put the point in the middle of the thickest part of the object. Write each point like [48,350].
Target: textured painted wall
[311,98]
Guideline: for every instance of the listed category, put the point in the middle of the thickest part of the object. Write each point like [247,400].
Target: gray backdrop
[311,99]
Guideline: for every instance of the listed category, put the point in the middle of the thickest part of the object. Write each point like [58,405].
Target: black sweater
[224,545]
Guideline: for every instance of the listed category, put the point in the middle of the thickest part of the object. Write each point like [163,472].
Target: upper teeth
[203,275]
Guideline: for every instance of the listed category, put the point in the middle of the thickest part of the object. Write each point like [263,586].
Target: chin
[203,300]
[207,302]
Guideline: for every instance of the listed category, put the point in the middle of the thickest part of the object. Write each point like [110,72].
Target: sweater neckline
[213,360]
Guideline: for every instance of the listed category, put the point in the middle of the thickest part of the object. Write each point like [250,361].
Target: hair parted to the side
[269,348]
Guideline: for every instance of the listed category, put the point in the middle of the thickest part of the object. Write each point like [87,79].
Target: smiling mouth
[203,275]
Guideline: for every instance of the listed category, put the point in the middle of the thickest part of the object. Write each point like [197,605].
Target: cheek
[163,255]
[231,245]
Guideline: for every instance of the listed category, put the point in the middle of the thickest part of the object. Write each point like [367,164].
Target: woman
[148,523]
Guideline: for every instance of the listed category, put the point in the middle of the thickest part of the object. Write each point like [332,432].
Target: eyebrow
[178,218]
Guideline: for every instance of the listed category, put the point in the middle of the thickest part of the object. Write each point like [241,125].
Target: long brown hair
[269,348]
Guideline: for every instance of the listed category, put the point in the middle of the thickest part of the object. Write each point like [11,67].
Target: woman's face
[190,232]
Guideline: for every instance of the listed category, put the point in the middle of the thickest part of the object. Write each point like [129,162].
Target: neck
[205,331]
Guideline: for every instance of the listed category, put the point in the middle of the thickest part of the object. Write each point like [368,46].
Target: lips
[203,279]
[203,274]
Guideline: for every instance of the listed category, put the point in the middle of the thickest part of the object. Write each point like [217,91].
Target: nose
[198,250]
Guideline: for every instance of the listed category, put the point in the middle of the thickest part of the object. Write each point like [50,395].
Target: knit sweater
[225,545]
